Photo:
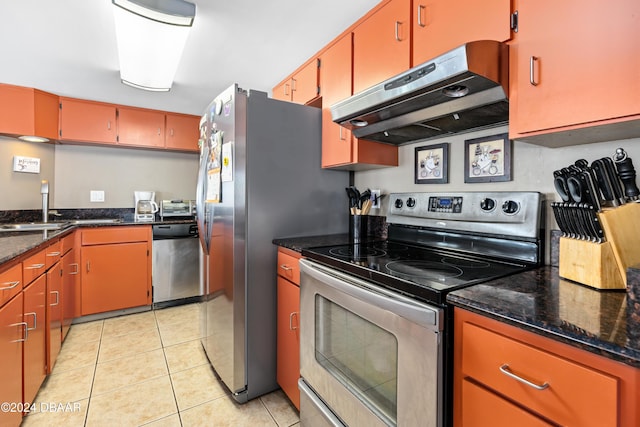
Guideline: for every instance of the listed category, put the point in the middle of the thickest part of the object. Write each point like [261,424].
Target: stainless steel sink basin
[34,226]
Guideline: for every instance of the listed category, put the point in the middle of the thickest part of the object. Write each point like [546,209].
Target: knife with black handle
[595,223]
[627,174]
[602,178]
[616,185]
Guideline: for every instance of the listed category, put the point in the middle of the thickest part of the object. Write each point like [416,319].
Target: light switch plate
[96,196]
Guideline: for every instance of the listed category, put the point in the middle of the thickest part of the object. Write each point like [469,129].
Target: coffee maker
[145,206]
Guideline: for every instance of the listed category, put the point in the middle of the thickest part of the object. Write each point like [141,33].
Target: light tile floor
[145,369]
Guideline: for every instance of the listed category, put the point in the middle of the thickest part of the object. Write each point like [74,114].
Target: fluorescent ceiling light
[151,35]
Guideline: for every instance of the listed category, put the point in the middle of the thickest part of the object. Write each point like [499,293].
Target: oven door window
[360,355]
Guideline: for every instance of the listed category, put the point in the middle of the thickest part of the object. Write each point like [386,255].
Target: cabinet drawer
[67,242]
[573,394]
[288,265]
[52,254]
[117,234]
[34,266]
[10,283]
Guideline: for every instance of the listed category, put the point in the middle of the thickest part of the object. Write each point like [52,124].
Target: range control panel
[516,213]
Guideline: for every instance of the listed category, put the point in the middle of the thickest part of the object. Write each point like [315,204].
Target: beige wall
[75,170]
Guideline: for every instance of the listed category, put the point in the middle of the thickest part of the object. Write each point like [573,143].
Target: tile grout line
[95,369]
[164,354]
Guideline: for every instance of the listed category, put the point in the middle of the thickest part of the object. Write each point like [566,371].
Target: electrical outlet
[375,197]
[96,196]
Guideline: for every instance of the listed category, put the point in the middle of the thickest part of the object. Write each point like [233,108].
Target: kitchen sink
[34,226]
[94,221]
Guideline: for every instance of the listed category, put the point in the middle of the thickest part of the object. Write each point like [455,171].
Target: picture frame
[432,164]
[488,159]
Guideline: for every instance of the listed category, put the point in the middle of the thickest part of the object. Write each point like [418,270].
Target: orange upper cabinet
[574,64]
[28,112]
[140,128]
[339,148]
[301,87]
[381,45]
[440,25]
[182,132]
[87,121]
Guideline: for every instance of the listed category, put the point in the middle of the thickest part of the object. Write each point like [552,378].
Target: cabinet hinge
[147,252]
[61,273]
[514,21]
[60,104]
[318,62]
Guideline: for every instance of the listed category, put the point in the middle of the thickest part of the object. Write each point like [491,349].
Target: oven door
[372,356]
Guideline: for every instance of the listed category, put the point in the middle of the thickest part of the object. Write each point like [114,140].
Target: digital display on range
[445,204]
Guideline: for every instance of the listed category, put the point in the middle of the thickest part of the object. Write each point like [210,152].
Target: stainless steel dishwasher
[175,268]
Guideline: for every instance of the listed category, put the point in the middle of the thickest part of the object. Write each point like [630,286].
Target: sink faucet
[44,190]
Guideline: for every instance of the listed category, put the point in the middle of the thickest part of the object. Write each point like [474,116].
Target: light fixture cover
[151,35]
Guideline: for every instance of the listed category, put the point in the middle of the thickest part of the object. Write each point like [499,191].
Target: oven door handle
[413,310]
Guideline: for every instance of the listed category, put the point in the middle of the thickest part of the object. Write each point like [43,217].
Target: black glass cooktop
[424,273]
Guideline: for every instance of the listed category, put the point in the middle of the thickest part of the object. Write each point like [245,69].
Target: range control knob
[398,203]
[487,205]
[411,202]
[510,207]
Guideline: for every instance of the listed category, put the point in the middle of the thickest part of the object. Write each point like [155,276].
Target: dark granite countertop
[605,322]
[299,243]
[16,243]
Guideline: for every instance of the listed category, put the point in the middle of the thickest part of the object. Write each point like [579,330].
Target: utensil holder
[358,228]
[604,265]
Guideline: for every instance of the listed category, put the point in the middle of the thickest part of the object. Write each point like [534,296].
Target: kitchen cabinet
[35,350]
[439,25]
[55,299]
[571,83]
[182,132]
[303,86]
[70,280]
[13,331]
[381,45]
[567,385]
[115,268]
[138,127]
[288,324]
[10,283]
[87,121]
[28,111]
[339,148]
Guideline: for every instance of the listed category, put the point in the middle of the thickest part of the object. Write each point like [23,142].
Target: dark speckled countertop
[602,322]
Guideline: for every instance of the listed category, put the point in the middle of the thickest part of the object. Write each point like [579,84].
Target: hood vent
[459,91]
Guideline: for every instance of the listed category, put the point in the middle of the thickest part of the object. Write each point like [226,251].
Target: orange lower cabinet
[13,331]
[288,359]
[35,352]
[55,299]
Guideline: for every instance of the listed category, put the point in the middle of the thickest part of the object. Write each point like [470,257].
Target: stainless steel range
[375,328]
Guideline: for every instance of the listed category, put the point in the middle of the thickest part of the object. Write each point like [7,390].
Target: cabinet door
[55,299]
[114,277]
[282,92]
[288,358]
[140,128]
[35,351]
[381,45]
[87,121]
[28,111]
[441,25]
[182,132]
[10,283]
[12,335]
[336,86]
[70,289]
[305,83]
[575,65]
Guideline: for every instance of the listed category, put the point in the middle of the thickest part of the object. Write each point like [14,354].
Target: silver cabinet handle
[420,9]
[77,266]
[286,89]
[505,370]
[35,321]
[158,131]
[25,331]
[108,124]
[398,23]
[34,267]
[88,266]
[532,61]
[57,298]
[291,316]
[293,84]
[285,267]
[11,285]
[57,253]
[171,131]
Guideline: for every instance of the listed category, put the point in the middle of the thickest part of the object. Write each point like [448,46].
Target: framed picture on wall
[432,164]
[487,159]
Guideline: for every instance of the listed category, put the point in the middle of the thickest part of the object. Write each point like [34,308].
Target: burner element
[356,251]
[465,263]
[423,270]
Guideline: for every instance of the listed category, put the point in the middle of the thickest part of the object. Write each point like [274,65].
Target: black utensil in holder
[358,228]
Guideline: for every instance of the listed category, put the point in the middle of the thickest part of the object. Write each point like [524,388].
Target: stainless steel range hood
[459,91]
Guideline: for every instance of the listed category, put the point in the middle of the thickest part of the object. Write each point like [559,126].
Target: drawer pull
[11,285]
[57,298]
[505,370]
[285,267]
[34,267]
[25,331]
[35,321]
[53,253]
[291,327]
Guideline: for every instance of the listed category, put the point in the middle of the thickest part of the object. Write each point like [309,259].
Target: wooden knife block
[604,265]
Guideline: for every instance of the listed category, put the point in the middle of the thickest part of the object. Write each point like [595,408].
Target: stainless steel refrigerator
[260,178]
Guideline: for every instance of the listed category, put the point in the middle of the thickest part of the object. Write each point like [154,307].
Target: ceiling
[68,47]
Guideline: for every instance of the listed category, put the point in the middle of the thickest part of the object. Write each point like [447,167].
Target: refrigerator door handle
[200,198]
